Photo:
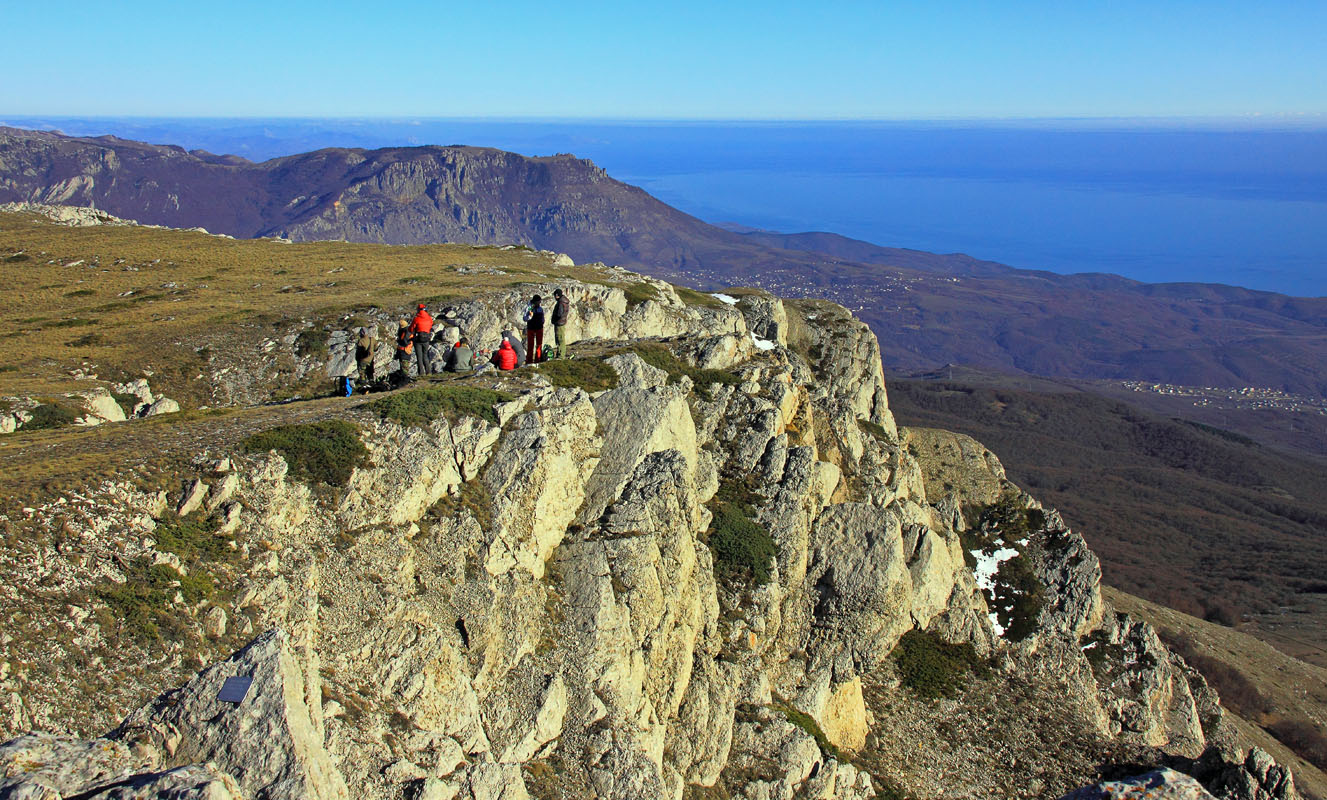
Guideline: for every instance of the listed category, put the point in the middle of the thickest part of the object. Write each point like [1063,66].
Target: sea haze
[1232,203]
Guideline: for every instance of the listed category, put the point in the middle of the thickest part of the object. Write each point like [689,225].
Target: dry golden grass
[140,295]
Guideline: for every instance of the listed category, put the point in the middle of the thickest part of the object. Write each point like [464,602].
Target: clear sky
[715,59]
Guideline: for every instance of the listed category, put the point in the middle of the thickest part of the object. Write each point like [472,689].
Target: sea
[1241,202]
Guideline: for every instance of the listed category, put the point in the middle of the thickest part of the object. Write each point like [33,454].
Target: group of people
[438,345]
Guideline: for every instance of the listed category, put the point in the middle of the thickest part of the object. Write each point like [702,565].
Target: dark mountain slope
[927,309]
[1187,515]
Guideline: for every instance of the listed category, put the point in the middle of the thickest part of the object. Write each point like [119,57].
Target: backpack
[344,386]
[560,310]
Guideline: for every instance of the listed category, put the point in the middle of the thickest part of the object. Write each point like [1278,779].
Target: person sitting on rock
[462,357]
[405,344]
[505,357]
[365,347]
[510,338]
[534,330]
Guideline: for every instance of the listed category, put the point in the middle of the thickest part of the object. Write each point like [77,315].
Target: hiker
[534,331]
[365,346]
[404,344]
[462,357]
[561,311]
[516,346]
[505,358]
[422,328]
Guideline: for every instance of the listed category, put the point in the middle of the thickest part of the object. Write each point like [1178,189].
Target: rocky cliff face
[693,584]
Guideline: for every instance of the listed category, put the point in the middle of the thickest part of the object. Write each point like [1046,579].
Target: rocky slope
[709,579]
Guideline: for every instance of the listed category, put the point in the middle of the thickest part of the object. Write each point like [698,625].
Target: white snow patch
[763,344]
[984,572]
[1089,646]
[724,298]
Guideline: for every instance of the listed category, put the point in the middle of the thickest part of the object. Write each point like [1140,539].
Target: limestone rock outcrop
[688,582]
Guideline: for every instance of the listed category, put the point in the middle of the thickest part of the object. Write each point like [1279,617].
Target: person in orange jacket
[422,329]
[505,358]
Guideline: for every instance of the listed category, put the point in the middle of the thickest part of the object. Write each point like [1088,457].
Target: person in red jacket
[505,358]
[422,328]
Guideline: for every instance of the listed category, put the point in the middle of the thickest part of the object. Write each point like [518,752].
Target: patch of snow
[1089,646]
[763,344]
[989,564]
[1022,542]
[810,316]
[724,298]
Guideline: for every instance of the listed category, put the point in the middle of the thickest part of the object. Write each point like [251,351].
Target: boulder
[1162,784]
[163,406]
[269,741]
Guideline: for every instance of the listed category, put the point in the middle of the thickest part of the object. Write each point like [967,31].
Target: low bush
[142,605]
[327,452]
[80,293]
[195,540]
[51,414]
[126,402]
[72,322]
[311,342]
[419,407]
[875,429]
[931,667]
[808,723]
[588,374]
[742,549]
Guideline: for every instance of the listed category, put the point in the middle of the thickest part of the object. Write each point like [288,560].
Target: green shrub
[419,407]
[931,667]
[80,293]
[86,340]
[327,451]
[588,374]
[127,402]
[741,547]
[51,414]
[311,342]
[195,540]
[808,723]
[142,604]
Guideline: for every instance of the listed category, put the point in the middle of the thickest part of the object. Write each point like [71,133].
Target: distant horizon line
[1298,120]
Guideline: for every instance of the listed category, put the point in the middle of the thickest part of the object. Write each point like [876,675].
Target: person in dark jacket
[422,329]
[534,330]
[404,345]
[505,358]
[365,346]
[462,357]
[516,346]
[561,312]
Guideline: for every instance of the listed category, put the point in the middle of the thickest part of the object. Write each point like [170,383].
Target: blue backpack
[344,386]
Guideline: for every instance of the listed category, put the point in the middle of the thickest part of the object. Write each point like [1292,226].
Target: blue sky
[678,60]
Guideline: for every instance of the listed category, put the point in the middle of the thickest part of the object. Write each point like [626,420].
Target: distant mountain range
[927,309]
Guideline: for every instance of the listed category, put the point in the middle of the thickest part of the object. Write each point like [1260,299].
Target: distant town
[1249,397]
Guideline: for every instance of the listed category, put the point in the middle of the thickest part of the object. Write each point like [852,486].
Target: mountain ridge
[1088,326]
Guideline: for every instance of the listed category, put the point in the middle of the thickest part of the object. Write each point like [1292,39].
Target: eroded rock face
[485,605]
[1163,784]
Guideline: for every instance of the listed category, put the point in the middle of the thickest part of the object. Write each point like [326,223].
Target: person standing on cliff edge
[422,328]
[534,330]
[561,312]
